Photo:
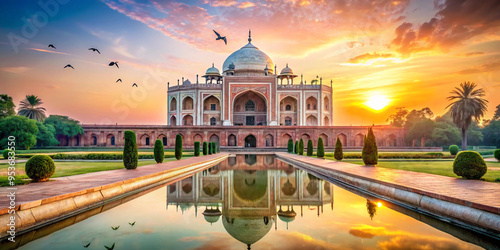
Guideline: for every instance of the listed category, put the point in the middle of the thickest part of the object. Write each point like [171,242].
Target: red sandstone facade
[248,105]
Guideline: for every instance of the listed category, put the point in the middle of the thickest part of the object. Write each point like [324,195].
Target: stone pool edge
[473,218]
[34,213]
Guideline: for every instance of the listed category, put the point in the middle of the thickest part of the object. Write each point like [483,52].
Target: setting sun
[377,102]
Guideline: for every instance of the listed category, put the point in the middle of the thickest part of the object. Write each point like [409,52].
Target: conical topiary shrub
[159,151]
[178,146]
[290,146]
[296,148]
[310,148]
[196,148]
[210,148]
[130,154]
[338,154]
[205,148]
[321,148]
[301,147]
[370,151]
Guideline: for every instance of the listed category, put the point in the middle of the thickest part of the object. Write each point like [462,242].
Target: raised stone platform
[471,203]
[39,203]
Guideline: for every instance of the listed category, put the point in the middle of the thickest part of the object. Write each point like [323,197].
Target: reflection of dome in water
[187,188]
[312,187]
[211,189]
[287,216]
[250,186]
[212,215]
[247,230]
[288,188]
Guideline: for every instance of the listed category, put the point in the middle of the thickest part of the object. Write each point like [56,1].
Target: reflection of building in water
[249,193]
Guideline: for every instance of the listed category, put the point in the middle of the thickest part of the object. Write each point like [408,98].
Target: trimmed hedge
[310,148]
[296,148]
[196,148]
[205,148]
[290,146]
[210,148]
[301,147]
[130,154]
[6,153]
[339,153]
[453,149]
[178,146]
[469,165]
[370,151]
[497,154]
[321,148]
[159,152]
[40,168]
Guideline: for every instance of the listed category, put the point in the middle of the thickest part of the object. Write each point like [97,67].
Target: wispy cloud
[370,59]
[48,51]
[298,26]
[15,70]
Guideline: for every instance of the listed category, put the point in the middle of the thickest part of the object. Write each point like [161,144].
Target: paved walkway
[485,195]
[76,183]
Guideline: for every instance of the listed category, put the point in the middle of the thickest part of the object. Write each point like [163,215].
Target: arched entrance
[250,109]
[231,140]
[269,140]
[250,141]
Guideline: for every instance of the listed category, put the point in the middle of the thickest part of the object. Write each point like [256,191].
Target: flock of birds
[112,246]
[95,50]
[219,37]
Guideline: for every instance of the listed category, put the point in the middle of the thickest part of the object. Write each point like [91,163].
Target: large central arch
[250,109]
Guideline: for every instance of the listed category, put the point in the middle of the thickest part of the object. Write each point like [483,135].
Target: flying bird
[52,46]
[95,50]
[132,224]
[87,246]
[119,80]
[219,37]
[115,228]
[69,66]
[110,248]
[113,64]
[134,85]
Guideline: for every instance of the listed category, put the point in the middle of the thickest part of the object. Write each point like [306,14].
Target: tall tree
[64,126]
[467,104]
[398,119]
[22,128]
[31,108]
[497,113]
[6,106]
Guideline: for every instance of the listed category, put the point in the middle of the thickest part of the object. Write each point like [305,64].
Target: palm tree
[468,103]
[30,107]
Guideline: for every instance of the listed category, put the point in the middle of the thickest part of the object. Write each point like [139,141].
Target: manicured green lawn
[69,168]
[439,167]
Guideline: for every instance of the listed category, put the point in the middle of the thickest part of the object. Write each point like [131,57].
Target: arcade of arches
[240,137]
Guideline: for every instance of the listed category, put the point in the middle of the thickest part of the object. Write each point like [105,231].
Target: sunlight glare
[377,102]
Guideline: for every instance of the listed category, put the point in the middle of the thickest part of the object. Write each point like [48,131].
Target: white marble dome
[212,71]
[249,58]
[286,71]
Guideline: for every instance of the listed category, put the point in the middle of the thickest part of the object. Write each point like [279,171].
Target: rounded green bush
[130,154]
[497,154]
[469,165]
[6,153]
[40,168]
[159,152]
[453,149]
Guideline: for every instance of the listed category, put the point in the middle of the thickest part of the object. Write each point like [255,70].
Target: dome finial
[287,65]
[212,65]
[249,35]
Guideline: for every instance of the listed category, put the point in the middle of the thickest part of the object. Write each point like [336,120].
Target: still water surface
[255,202]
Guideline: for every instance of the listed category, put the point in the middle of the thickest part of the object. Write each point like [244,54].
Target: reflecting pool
[255,202]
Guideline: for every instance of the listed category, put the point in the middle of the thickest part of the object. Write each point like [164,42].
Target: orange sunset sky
[403,53]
